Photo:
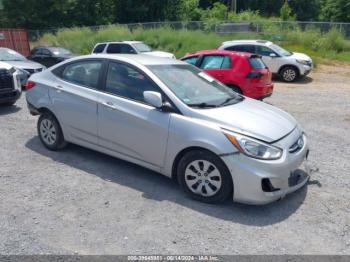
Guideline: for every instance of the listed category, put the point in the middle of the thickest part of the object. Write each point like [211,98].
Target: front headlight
[304,62]
[254,148]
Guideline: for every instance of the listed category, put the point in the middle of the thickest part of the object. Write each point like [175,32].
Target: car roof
[120,42]
[139,59]
[218,52]
[249,41]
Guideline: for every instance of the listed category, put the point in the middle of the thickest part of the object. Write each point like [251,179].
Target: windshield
[60,51]
[10,55]
[142,47]
[281,51]
[194,87]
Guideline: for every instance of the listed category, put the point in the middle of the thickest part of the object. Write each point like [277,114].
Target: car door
[218,66]
[75,96]
[127,125]
[270,57]
[47,58]
[36,55]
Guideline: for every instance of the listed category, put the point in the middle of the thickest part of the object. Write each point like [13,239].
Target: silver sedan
[170,117]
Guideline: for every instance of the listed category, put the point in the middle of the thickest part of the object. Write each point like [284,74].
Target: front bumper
[248,174]
[8,96]
[305,70]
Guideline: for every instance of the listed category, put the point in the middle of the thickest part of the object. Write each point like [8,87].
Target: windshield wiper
[202,105]
[238,98]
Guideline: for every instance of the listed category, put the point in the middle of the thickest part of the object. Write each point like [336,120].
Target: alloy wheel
[48,131]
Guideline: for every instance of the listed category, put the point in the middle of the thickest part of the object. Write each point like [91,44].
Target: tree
[286,12]
[335,10]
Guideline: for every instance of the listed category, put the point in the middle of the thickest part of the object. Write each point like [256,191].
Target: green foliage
[286,12]
[216,13]
[335,10]
[330,45]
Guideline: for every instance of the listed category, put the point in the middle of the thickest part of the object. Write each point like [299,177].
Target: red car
[245,73]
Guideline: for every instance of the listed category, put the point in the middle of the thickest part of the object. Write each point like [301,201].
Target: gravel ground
[81,202]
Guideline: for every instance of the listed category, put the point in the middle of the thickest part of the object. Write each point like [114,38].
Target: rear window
[257,63]
[120,49]
[191,60]
[99,48]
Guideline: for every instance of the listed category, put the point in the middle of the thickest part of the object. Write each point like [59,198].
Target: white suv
[289,65]
[128,47]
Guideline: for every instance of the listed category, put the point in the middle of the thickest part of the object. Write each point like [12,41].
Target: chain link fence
[270,28]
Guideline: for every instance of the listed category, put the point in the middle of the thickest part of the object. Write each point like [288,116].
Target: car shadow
[6,110]
[301,81]
[160,188]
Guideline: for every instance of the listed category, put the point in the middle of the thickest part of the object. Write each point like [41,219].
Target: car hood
[27,64]
[4,65]
[301,56]
[252,118]
[160,54]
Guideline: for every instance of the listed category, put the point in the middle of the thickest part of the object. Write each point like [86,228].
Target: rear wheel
[205,177]
[50,132]
[289,74]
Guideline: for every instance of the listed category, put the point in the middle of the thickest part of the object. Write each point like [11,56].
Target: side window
[85,73]
[120,49]
[46,52]
[264,51]
[99,48]
[191,60]
[241,48]
[36,51]
[125,81]
[215,62]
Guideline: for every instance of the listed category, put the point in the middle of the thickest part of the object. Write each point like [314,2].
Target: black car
[49,56]
[10,89]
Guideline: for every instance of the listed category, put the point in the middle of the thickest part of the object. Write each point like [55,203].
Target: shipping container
[16,39]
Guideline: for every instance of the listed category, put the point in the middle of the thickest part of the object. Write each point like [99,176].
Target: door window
[99,48]
[216,62]
[46,52]
[85,73]
[241,48]
[120,49]
[125,81]
[191,60]
[264,50]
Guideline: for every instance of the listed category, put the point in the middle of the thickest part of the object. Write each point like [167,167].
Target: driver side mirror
[273,55]
[153,98]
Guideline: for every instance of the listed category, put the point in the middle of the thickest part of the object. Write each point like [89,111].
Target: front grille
[297,145]
[6,79]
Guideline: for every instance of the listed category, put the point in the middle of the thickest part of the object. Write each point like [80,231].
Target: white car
[289,65]
[129,47]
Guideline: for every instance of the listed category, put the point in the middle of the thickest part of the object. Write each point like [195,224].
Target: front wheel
[289,74]
[50,132]
[205,177]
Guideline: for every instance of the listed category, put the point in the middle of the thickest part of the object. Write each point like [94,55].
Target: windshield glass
[60,51]
[194,87]
[280,50]
[142,47]
[10,55]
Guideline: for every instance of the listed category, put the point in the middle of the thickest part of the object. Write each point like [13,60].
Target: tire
[11,103]
[236,89]
[211,187]
[289,74]
[50,132]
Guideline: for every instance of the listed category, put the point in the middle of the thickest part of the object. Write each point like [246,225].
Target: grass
[320,46]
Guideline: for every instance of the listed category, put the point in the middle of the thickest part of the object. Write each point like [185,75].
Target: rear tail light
[29,85]
[255,75]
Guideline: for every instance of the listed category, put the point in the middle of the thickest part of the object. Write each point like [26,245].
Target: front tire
[289,74]
[50,132]
[204,176]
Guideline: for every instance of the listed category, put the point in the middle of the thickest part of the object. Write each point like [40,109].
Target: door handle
[59,88]
[109,105]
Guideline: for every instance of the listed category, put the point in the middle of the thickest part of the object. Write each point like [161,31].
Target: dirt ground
[81,202]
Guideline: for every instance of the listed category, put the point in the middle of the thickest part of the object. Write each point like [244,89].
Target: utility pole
[233,6]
